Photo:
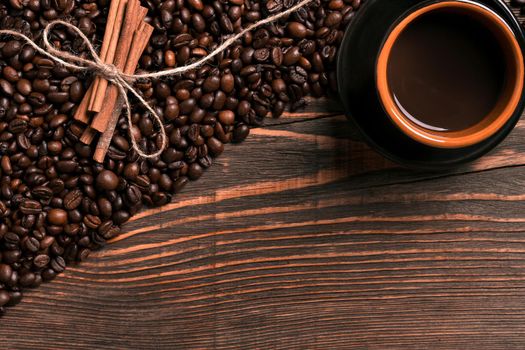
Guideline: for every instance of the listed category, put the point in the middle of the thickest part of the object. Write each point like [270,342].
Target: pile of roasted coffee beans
[56,203]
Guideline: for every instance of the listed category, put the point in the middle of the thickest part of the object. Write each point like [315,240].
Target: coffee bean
[57,217]
[27,279]
[107,180]
[29,206]
[195,171]
[133,195]
[240,133]
[215,146]
[58,264]
[17,126]
[196,4]
[41,260]
[333,19]
[291,56]
[58,97]
[92,221]
[226,117]
[48,274]
[212,83]
[169,58]
[226,24]
[244,108]
[11,48]
[66,166]
[43,193]
[297,30]
[120,217]
[227,83]
[83,254]
[76,91]
[41,85]
[5,273]
[31,244]
[11,256]
[73,199]
[4,297]
[10,74]
[6,87]
[5,165]
[261,55]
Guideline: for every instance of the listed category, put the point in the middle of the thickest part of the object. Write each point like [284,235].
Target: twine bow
[124,81]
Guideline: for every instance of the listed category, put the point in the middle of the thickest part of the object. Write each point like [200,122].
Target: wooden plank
[301,238]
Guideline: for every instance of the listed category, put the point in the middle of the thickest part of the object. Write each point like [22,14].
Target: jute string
[124,81]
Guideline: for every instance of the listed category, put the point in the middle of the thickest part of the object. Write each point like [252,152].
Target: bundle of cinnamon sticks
[125,39]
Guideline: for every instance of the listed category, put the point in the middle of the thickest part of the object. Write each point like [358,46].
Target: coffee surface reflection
[446,71]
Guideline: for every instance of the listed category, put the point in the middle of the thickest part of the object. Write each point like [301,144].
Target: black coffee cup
[433,84]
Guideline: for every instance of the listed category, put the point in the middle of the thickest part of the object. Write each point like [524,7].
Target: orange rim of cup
[501,113]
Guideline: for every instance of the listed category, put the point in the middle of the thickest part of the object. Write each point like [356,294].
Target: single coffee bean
[227,83]
[10,74]
[57,217]
[291,56]
[27,279]
[4,297]
[277,56]
[215,146]
[11,48]
[5,273]
[195,171]
[42,192]
[107,180]
[29,206]
[6,87]
[36,99]
[212,83]
[31,244]
[58,97]
[48,274]
[240,133]
[41,260]
[333,19]
[58,264]
[297,30]
[92,221]
[133,194]
[73,199]
[76,91]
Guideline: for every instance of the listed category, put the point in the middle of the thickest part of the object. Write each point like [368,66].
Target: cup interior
[506,102]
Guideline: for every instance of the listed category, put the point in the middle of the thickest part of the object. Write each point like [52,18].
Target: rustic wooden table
[301,238]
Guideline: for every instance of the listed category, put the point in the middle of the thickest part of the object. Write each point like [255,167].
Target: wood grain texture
[302,238]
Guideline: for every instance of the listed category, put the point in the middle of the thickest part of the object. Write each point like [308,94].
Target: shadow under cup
[504,104]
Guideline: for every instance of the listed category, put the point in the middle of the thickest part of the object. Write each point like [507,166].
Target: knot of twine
[124,81]
[108,71]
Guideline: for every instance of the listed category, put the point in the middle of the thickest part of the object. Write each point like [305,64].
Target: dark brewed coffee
[446,70]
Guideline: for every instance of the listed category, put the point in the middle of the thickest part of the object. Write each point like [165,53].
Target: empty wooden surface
[301,238]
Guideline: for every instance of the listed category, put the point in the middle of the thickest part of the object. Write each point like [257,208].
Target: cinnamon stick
[88,135]
[101,120]
[139,44]
[115,11]
[124,47]
[132,20]
[108,56]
